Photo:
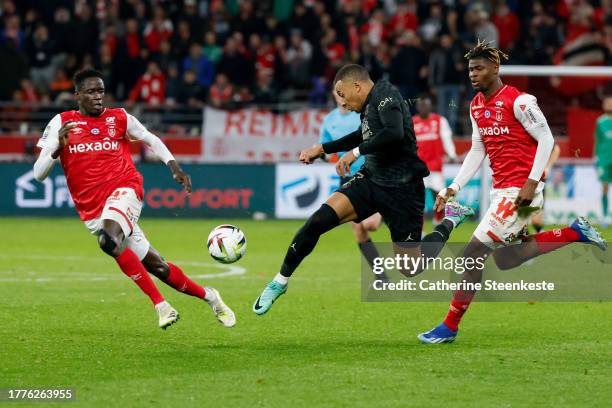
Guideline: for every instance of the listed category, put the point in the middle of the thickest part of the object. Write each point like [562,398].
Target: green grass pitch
[70,318]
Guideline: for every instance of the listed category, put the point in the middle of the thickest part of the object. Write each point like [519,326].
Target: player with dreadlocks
[507,125]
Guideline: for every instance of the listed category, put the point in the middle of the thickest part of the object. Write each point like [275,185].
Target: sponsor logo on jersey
[110,119]
[499,103]
[95,131]
[476,114]
[93,147]
[477,107]
[498,116]
[384,102]
[487,114]
[494,130]
[522,107]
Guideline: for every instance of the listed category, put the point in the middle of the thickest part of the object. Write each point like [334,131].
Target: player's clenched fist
[442,197]
[180,176]
[63,137]
[308,156]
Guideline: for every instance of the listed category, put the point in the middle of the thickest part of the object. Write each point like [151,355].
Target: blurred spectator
[242,97]
[236,67]
[191,16]
[445,76]
[221,92]
[432,26]
[28,91]
[157,30]
[190,92]
[198,63]
[265,92]
[298,60]
[264,55]
[84,32]
[246,22]
[334,50]
[40,50]
[507,25]
[212,50]
[408,66]
[484,29]
[304,21]
[13,33]
[405,18]
[375,28]
[151,86]
[369,60]
[164,57]
[181,40]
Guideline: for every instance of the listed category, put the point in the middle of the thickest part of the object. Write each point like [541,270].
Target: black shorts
[401,207]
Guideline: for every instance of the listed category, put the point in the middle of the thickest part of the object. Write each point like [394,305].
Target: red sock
[130,265]
[181,282]
[548,241]
[459,305]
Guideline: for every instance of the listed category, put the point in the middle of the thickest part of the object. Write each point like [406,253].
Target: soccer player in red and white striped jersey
[92,145]
[509,127]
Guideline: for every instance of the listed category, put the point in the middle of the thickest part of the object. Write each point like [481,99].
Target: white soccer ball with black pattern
[226,243]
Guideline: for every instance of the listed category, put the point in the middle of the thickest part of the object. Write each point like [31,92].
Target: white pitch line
[35,276]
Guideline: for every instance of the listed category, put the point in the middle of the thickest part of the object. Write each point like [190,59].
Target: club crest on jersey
[487,114]
[112,132]
[95,131]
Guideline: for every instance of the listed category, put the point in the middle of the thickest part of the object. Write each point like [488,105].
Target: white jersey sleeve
[137,131]
[49,142]
[528,113]
[472,160]
[50,137]
[446,133]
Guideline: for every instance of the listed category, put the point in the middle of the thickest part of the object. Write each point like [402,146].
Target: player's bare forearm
[179,175]
[309,155]
[527,193]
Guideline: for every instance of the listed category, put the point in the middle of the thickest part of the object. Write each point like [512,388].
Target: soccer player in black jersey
[390,182]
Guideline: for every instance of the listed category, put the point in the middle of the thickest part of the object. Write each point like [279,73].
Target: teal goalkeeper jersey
[336,125]
[603,140]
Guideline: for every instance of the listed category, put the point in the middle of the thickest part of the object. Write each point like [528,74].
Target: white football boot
[167,314]
[224,314]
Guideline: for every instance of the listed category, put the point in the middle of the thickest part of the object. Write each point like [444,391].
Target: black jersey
[388,137]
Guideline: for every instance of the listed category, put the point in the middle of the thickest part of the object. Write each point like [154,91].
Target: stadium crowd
[234,52]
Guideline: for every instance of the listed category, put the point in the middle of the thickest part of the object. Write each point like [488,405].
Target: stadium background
[236,89]
[248,82]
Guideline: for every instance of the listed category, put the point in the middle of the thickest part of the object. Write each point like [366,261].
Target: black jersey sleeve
[345,143]
[392,131]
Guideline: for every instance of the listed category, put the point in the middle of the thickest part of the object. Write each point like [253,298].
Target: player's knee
[159,268]
[107,243]
[324,219]
[370,225]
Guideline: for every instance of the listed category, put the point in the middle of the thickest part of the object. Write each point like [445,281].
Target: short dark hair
[424,96]
[484,49]
[352,72]
[81,76]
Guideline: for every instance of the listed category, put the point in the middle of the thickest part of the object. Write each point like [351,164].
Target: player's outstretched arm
[53,140]
[527,112]
[343,144]
[137,131]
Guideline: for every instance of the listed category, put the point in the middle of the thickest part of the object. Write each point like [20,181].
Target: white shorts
[123,207]
[435,181]
[502,224]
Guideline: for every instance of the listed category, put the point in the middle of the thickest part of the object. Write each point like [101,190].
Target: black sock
[369,251]
[537,227]
[433,242]
[323,220]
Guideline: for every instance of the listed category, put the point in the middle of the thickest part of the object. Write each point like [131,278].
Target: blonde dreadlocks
[483,49]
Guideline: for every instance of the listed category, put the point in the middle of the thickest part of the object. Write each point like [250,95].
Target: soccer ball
[226,243]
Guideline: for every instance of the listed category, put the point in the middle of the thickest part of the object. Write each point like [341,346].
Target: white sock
[283,280]
[210,295]
[161,305]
